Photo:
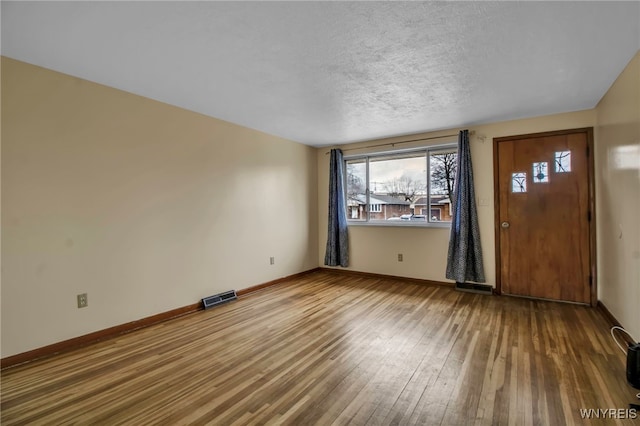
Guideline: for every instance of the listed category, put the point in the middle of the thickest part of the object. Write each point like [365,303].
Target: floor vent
[217,299]
[474,288]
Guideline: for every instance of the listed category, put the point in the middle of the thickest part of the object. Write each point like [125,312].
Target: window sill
[402,224]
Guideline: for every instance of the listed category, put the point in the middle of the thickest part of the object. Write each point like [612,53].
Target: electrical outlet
[399,257]
[272,260]
[83,300]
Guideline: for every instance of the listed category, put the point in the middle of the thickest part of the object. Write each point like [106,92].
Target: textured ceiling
[334,72]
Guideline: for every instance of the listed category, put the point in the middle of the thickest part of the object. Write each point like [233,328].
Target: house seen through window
[413,187]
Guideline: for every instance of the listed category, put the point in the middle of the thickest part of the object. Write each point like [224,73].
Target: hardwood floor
[328,348]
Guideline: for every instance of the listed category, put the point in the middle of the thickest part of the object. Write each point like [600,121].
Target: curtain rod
[471,133]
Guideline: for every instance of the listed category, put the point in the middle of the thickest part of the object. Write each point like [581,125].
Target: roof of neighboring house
[435,199]
[387,199]
[377,199]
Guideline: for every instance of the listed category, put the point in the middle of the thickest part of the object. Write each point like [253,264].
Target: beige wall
[144,206]
[618,197]
[0,211]
[375,249]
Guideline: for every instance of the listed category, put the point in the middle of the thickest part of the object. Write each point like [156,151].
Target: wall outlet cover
[83,300]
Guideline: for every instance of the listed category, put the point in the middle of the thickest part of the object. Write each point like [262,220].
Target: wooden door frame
[588,131]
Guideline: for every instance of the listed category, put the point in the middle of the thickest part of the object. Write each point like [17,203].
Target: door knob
[505,225]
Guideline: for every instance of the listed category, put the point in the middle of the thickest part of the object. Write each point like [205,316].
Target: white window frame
[428,150]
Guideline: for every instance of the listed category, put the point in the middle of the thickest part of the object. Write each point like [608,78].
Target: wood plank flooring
[329,348]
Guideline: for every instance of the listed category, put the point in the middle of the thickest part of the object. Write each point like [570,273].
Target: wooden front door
[543,215]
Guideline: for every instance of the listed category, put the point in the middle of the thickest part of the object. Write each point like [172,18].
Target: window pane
[395,183]
[356,189]
[519,182]
[408,187]
[540,172]
[442,169]
[563,161]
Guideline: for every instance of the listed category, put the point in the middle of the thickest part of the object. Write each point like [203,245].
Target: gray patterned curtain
[337,252]
[464,262]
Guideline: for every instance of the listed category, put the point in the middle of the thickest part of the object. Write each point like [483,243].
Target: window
[563,161]
[402,188]
[519,182]
[540,173]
